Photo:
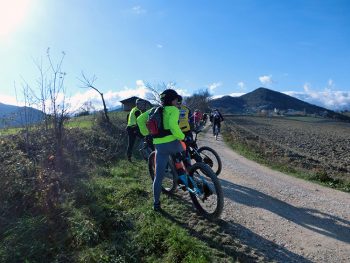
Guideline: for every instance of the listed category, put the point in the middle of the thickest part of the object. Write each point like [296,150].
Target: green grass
[104,214]
[9,131]
[109,218]
[83,122]
[117,221]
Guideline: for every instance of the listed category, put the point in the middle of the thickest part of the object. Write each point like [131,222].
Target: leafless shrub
[89,83]
[199,100]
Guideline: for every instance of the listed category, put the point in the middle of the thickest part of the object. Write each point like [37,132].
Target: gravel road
[282,218]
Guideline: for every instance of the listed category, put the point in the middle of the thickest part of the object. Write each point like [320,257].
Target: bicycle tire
[217,204]
[209,161]
[144,150]
[216,131]
[169,183]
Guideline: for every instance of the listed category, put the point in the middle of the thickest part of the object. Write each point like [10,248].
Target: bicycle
[199,181]
[204,154]
[145,149]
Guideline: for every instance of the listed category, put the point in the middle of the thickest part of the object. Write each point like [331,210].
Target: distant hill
[116,108]
[266,99]
[14,116]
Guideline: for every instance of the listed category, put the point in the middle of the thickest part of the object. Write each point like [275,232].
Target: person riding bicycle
[185,126]
[132,128]
[216,119]
[205,118]
[197,118]
[169,143]
[184,118]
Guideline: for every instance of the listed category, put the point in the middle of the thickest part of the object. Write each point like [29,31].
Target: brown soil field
[319,147]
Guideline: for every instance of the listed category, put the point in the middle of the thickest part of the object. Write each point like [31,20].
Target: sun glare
[12,14]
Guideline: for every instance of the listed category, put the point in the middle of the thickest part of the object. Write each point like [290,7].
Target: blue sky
[300,47]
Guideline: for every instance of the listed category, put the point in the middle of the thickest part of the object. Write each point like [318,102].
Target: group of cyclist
[178,123]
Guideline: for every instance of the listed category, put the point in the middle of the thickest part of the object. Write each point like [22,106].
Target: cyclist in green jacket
[132,128]
[166,145]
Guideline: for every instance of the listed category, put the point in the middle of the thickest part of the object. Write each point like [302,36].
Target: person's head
[140,104]
[179,101]
[169,97]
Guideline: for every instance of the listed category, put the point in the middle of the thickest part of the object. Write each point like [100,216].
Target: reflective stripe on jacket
[184,119]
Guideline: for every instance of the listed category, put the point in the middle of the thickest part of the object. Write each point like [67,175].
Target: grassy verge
[253,152]
[90,206]
[124,226]
[109,218]
[9,131]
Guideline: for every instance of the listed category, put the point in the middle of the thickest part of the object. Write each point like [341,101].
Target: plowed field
[318,147]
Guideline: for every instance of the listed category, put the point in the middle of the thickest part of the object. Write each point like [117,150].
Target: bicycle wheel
[216,131]
[211,158]
[145,150]
[209,200]
[169,182]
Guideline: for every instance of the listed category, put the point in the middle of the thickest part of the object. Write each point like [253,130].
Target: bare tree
[155,90]
[89,83]
[199,100]
[49,96]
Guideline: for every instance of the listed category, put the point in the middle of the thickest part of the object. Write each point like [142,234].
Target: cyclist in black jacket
[216,119]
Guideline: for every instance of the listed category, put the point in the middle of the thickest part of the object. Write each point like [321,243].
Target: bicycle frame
[187,180]
[193,147]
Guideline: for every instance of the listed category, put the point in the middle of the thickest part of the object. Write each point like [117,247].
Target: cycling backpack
[155,123]
[216,116]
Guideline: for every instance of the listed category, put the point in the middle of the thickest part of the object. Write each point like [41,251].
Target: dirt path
[282,218]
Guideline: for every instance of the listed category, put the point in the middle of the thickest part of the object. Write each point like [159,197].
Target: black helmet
[167,96]
[179,98]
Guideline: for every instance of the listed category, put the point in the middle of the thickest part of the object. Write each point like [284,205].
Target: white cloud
[214,86]
[236,94]
[327,98]
[183,92]
[331,83]
[138,10]
[140,83]
[112,98]
[241,85]
[159,46]
[266,80]
[217,96]
[10,100]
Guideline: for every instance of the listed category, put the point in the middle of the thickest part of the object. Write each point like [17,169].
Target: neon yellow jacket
[184,119]
[170,122]
[132,116]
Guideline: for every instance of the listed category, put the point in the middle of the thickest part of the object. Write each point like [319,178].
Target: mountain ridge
[15,116]
[266,99]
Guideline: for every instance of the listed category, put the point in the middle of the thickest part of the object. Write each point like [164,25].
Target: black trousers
[218,123]
[133,133]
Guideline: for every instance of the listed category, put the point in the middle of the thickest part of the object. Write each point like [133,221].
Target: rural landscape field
[313,146]
[97,97]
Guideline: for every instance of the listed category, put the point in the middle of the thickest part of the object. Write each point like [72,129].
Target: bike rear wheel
[210,200]
[211,158]
[145,150]
[216,131]
[169,183]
